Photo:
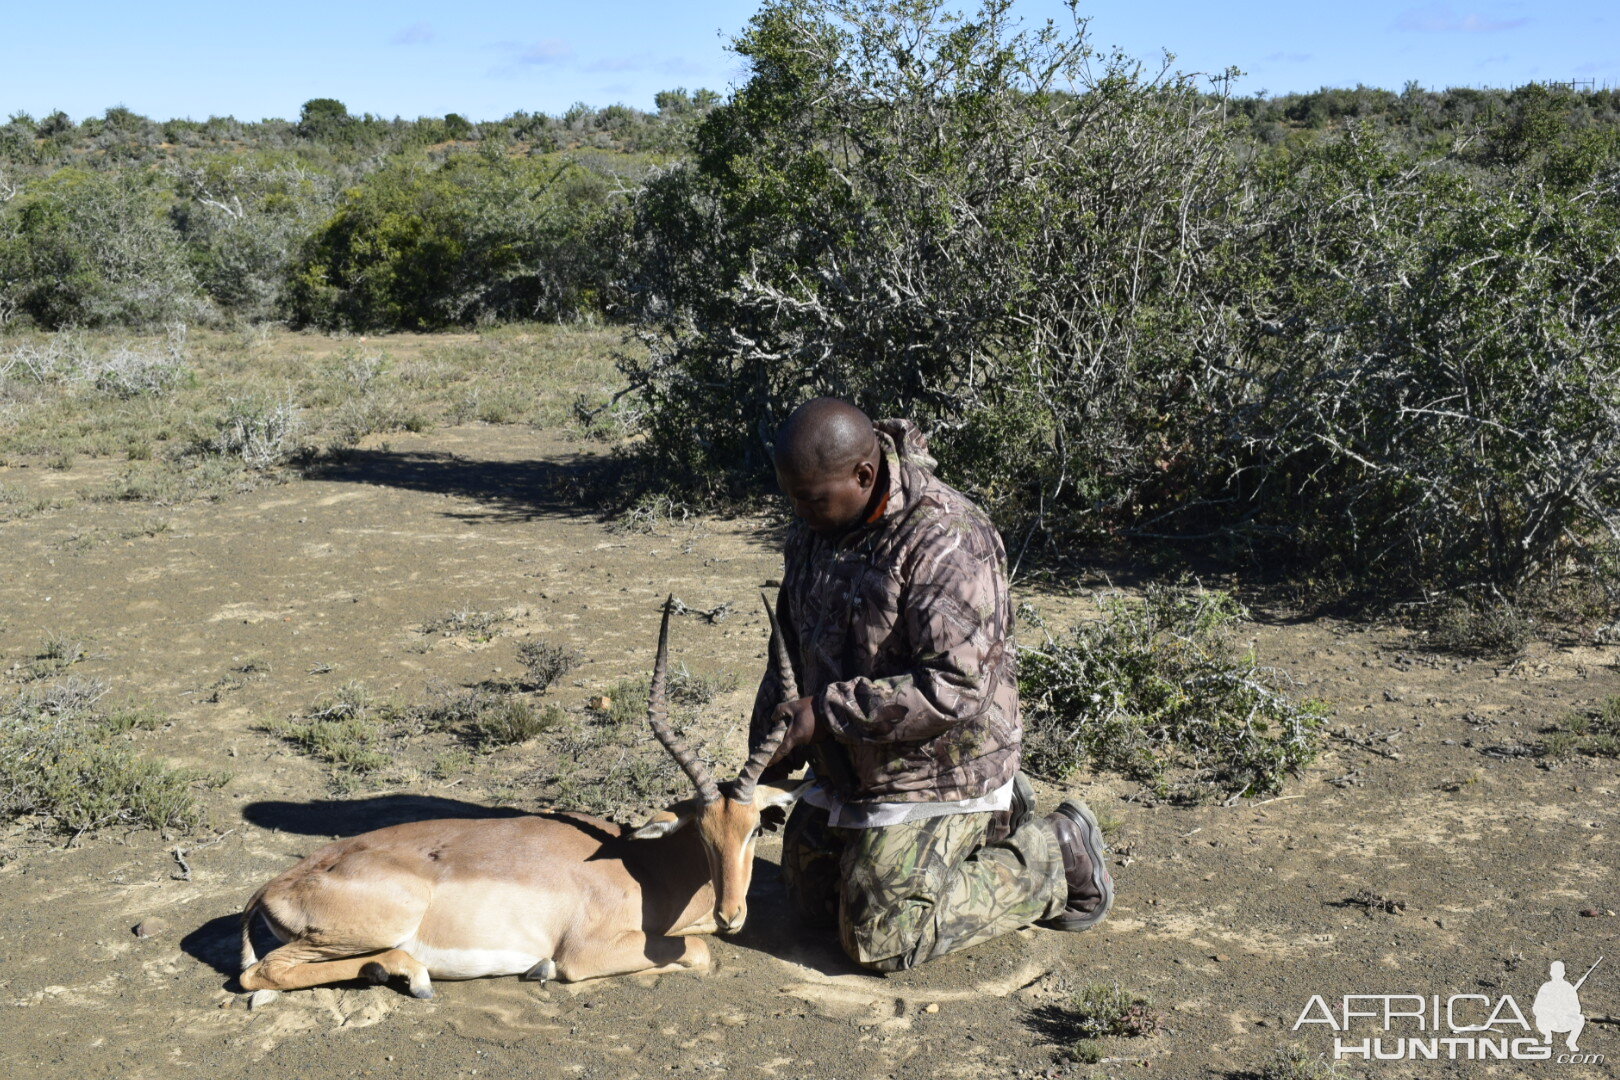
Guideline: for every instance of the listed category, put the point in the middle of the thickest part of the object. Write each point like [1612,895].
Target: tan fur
[450,898]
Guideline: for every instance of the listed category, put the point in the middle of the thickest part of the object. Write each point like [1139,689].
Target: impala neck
[676,887]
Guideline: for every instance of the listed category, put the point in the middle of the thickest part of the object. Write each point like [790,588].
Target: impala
[547,896]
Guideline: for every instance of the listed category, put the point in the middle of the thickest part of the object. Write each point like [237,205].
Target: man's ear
[665,822]
[866,475]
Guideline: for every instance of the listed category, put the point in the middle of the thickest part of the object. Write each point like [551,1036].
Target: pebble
[1590,913]
[931,1007]
[151,927]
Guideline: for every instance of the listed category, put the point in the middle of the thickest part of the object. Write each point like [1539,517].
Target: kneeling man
[918,838]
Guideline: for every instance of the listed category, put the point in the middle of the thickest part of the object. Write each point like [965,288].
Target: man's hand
[802,730]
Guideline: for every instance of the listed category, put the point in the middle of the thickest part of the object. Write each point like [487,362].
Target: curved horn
[658,717]
[749,777]
[780,661]
[782,665]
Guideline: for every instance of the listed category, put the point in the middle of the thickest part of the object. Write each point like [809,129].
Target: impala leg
[631,952]
[380,968]
[299,964]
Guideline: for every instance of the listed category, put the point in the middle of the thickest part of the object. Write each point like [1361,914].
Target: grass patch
[348,730]
[1594,732]
[474,625]
[66,759]
[1294,1063]
[1158,691]
[1098,1011]
[486,716]
[296,399]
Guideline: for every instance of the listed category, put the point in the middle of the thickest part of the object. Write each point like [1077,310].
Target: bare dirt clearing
[257,606]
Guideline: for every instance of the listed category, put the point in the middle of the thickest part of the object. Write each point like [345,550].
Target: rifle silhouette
[1589,971]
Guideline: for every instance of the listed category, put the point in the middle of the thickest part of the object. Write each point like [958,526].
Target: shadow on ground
[570,485]
[347,817]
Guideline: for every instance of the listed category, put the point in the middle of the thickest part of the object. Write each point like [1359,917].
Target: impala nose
[730,924]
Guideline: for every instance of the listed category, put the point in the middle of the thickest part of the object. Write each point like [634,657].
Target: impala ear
[663,823]
[768,795]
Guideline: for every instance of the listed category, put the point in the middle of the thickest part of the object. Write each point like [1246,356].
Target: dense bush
[82,248]
[471,241]
[1401,371]
[1158,691]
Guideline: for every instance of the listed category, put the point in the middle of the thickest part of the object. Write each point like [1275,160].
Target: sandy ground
[1231,918]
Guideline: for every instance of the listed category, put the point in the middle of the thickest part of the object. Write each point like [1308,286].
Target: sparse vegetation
[545,662]
[1594,732]
[1097,1011]
[65,762]
[348,730]
[687,688]
[511,719]
[1489,627]
[1156,689]
[479,626]
[263,433]
[1294,1063]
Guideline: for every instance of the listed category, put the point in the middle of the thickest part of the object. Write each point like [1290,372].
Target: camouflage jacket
[902,631]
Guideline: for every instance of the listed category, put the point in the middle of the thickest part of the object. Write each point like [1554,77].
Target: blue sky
[488,58]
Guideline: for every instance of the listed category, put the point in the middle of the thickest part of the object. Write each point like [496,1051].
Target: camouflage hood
[902,632]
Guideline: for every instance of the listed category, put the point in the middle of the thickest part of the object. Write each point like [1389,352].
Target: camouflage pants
[907,893]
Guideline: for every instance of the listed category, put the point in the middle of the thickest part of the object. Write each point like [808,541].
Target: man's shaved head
[830,466]
[825,436]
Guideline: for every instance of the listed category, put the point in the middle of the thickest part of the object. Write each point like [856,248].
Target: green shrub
[512,719]
[472,240]
[348,730]
[545,662]
[261,432]
[1385,370]
[96,248]
[1157,690]
[64,758]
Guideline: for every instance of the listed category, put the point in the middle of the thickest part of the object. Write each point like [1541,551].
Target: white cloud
[546,51]
[663,65]
[1442,19]
[415,34]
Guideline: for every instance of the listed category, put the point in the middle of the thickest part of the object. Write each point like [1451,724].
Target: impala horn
[658,717]
[782,664]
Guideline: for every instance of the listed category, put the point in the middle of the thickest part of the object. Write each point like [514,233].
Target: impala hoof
[543,972]
[424,993]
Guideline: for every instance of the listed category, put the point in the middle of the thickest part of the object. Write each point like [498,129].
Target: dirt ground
[1230,918]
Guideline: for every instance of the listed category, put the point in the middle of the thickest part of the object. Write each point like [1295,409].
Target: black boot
[1085,864]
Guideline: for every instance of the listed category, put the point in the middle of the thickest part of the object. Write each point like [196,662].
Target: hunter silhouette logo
[1458,1027]
[1557,1007]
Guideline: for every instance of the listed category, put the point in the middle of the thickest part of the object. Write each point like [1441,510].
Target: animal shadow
[347,817]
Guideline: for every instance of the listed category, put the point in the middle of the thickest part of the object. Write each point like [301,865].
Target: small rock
[600,703]
[1590,912]
[773,583]
[1220,958]
[261,998]
[931,1007]
[151,927]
